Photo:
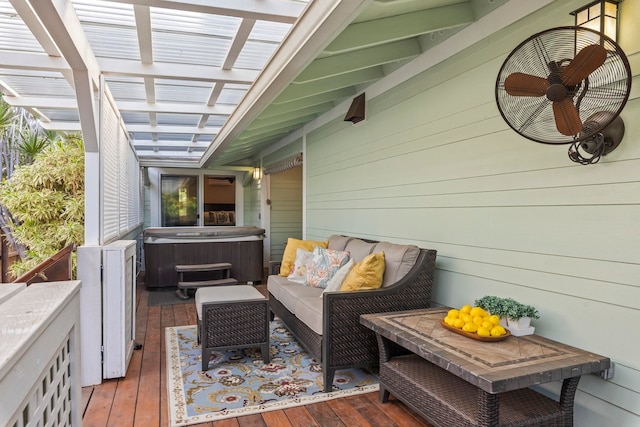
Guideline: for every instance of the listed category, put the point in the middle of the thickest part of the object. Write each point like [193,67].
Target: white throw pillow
[336,281]
[299,270]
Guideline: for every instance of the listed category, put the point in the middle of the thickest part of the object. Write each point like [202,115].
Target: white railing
[40,355]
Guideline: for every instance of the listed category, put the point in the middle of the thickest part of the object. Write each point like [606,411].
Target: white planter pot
[521,323]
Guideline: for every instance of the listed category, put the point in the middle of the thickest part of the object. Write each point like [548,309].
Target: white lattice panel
[49,402]
[40,382]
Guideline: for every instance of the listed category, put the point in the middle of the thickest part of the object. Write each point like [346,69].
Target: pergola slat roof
[209,82]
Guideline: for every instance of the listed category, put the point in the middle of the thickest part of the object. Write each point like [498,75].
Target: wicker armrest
[341,312]
[274,267]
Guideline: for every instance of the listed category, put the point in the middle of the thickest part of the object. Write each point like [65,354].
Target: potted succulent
[511,312]
[519,315]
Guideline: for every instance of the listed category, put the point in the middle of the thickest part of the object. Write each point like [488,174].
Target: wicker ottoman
[232,317]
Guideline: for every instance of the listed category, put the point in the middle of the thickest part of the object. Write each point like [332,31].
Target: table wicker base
[446,400]
[232,317]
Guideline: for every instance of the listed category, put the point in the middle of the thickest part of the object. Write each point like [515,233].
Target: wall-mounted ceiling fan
[566,85]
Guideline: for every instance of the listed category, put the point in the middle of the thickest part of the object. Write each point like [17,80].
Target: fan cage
[608,86]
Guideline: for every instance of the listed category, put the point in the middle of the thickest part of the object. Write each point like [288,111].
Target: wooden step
[193,268]
[205,283]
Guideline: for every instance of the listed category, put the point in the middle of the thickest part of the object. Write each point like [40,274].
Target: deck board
[140,399]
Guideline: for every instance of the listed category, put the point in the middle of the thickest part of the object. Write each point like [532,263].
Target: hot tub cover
[164,234]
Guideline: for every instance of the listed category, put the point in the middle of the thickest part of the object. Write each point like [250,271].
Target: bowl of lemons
[474,323]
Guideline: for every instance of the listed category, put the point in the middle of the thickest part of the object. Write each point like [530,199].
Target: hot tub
[166,247]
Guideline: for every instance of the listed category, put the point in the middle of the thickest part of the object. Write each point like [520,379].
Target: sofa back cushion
[359,249]
[399,259]
[338,242]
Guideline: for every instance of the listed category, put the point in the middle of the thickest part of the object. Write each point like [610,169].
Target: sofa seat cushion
[275,284]
[309,311]
[290,294]
[399,259]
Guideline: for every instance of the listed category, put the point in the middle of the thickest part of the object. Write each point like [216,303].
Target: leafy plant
[515,310]
[491,303]
[507,307]
[46,200]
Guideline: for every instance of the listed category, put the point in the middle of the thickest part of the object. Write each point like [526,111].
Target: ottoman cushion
[225,293]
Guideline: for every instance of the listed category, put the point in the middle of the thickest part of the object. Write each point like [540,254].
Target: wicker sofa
[328,327]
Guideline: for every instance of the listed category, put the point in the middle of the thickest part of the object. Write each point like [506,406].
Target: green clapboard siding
[435,165]
[286,209]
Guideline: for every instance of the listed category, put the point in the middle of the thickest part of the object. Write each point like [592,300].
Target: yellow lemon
[501,329]
[487,324]
[448,320]
[453,313]
[483,332]
[495,319]
[458,323]
[478,320]
[466,317]
[465,309]
[497,331]
[470,327]
[478,311]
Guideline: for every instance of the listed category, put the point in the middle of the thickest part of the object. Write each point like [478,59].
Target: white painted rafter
[124,67]
[266,10]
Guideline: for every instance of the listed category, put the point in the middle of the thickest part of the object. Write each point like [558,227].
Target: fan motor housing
[597,124]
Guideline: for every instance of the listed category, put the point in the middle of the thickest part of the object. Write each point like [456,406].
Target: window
[179,205]
[219,200]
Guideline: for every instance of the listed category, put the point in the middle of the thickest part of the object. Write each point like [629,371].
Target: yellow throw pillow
[289,255]
[367,274]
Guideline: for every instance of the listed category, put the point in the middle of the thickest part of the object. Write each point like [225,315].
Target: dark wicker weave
[345,342]
[447,400]
[234,324]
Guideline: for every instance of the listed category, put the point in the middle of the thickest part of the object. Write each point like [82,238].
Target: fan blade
[585,63]
[567,118]
[520,84]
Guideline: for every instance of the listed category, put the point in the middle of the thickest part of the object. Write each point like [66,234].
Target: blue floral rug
[239,383]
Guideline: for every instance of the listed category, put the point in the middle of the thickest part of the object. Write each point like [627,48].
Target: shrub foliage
[46,200]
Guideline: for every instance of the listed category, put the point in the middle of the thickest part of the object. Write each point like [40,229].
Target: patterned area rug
[239,383]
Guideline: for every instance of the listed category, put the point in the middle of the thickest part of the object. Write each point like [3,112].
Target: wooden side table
[450,379]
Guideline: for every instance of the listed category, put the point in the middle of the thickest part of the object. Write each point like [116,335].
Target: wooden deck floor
[140,399]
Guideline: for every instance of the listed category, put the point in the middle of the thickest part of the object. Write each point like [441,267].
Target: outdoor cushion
[338,242]
[275,284]
[398,259]
[325,263]
[300,266]
[367,274]
[289,255]
[289,294]
[309,311]
[336,281]
[359,249]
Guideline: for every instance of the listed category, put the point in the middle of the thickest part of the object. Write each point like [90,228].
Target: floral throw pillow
[325,263]
[299,270]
